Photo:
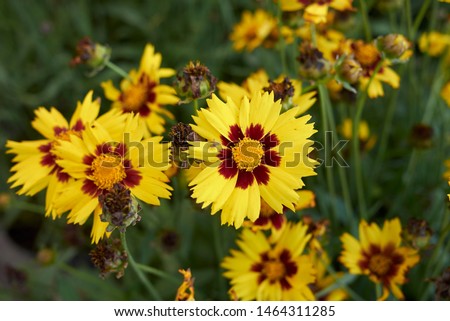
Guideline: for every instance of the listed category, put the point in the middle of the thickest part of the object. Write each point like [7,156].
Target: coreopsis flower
[369,57]
[261,270]
[434,43]
[99,162]
[251,152]
[36,167]
[252,30]
[186,291]
[260,82]
[316,11]
[380,255]
[143,94]
[445,93]
[366,139]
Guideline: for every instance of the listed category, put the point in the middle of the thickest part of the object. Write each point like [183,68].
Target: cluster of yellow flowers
[248,152]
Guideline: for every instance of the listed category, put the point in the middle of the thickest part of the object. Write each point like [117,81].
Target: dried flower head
[313,65]
[195,82]
[119,208]
[442,283]
[181,134]
[422,136]
[283,90]
[110,257]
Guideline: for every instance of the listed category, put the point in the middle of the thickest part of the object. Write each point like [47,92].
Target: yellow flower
[257,82]
[434,43]
[366,140]
[369,57]
[270,219]
[264,271]
[445,93]
[36,165]
[316,11]
[143,94]
[379,255]
[252,30]
[252,152]
[99,161]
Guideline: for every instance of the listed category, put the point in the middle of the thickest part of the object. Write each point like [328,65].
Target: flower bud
[92,54]
[349,70]
[418,234]
[393,46]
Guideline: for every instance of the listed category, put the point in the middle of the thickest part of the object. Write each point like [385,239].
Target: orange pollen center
[367,54]
[247,154]
[135,96]
[107,170]
[274,270]
[380,264]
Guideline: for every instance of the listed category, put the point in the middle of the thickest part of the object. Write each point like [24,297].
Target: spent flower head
[195,81]
[110,257]
[313,65]
[119,208]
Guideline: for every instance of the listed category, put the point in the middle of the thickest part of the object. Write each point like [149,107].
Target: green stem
[328,167]
[356,153]
[420,16]
[343,285]
[409,27]
[365,18]
[117,69]
[378,291]
[385,132]
[325,97]
[151,289]
[218,248]
[157,272]
[25,206]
